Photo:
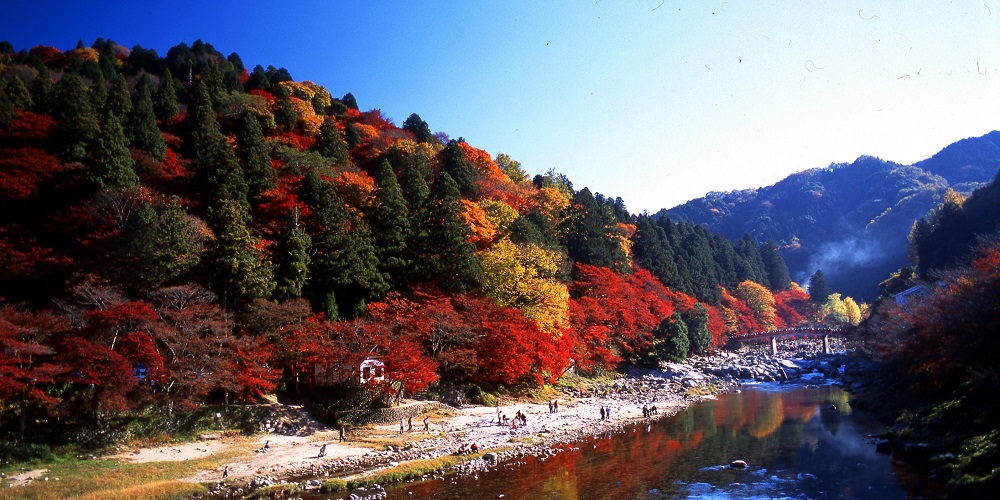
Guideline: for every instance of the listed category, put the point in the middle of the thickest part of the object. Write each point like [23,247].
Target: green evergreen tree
[651,251]
[351,135]
[285,115]
[7,112]
[419,128]
[255,153]
[114,168]
[697,255]
[218,171]
[700,339]
[671,339]
[344,268]
[78,121]
[349,101]
[331,143]
[142,129]
[119,99]
[258,79]
[446,252]
[99,93]
[453,163]
[391,224]
[166,246]
[819,289]
[591,234]
[238,270]
[753,265]
[293,259]
[774,266]
[18,94]
[42,90]
[166,98]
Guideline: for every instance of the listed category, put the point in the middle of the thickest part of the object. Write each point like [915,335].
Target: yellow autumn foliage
[760,301]
[500,214]
[525,277]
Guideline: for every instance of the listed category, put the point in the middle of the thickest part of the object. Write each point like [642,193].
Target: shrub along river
[798,442]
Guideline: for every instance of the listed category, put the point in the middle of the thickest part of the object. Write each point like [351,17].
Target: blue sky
[655,101]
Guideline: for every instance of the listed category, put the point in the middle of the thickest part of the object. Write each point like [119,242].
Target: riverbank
[237,465]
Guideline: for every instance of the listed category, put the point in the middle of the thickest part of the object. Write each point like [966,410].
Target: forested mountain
[849,220]
[181,229]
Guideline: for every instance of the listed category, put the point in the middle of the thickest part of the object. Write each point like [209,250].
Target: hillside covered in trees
[849,220]
[181,229]
[933,331]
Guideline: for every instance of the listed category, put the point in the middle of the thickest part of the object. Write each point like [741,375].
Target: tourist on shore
[427,425]
[602,413]
[225,472]
[322,451]
[402,425]
[550,406]
[410,423]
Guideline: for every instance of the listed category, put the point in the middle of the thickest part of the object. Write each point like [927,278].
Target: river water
[799,442]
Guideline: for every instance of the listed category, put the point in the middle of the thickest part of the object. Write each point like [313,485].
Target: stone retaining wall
[385,416]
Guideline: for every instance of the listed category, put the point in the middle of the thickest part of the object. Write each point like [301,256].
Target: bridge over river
[803,332]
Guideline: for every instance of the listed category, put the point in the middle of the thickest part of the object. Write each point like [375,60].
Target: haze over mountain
[851,220]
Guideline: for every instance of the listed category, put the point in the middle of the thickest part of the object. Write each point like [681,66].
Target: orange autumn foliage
[483,232]
[356,189]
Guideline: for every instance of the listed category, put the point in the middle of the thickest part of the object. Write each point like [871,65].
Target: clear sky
[655,101]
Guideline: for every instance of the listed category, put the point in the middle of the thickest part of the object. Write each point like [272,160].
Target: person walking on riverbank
[602,414]
[402,425]
[427,425]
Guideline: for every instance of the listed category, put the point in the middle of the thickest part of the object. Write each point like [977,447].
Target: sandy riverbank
[373,448]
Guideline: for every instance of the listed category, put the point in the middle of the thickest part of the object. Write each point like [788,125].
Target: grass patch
[276,491]
[705,390]
[81,478]
[333,486]
[411,470]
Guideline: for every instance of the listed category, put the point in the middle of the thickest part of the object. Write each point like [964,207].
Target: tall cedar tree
[774,265]
[18,94]
[99,92]
[453,163]
[331,143]
[42,91]
[284,115]
[653,252]
[819,289]
[591,234]
[292,259]
[78,121]
[344,269]
[419,128]
[142,129]
[218,171]
[120,100]
[391,225]
[446,253]
[166,98]
[697,253]
[750,252]
[239,271]
[114,168]
[165,245]
[254,151]
[699,337]
[672,343]
[6,108]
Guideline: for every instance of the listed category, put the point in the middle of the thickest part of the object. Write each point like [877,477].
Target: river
[799,442]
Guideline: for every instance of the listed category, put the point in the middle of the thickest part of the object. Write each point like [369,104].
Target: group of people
[406,425]
[648,410]
[554,406]
[462,449]
[605,412]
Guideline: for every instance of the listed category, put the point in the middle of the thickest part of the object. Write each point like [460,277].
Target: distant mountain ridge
[850,219]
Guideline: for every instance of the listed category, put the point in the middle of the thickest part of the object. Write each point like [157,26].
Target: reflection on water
[798,443]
